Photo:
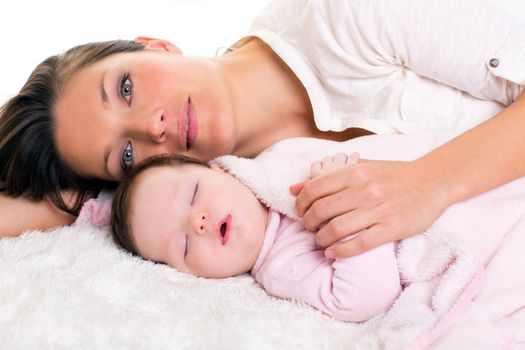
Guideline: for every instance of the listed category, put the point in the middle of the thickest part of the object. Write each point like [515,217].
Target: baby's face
[196,219]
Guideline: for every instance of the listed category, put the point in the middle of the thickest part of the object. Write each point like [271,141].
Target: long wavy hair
[30,163]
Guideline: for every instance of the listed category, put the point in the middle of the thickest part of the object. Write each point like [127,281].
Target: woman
[329,69]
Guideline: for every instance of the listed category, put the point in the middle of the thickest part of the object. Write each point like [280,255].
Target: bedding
[456,274]
[71,288]
[464,281]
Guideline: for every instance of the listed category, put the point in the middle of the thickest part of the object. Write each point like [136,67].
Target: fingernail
[329,253]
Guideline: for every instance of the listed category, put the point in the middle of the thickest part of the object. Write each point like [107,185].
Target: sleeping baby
[200,219]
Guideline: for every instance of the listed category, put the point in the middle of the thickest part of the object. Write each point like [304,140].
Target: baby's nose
[199,222]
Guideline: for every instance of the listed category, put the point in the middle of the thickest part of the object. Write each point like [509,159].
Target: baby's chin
[226,273]
[208,274]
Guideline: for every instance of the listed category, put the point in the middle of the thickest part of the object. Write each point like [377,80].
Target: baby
[202,220]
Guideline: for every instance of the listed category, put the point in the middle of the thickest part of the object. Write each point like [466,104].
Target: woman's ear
[158,44]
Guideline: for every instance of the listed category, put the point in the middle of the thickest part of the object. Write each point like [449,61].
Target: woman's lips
[191,125]
[223,229]
[188,126]
[183,121]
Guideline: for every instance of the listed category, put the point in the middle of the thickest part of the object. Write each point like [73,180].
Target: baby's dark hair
[120,208]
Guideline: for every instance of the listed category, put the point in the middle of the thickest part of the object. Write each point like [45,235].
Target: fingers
[344,225]
[339,160]
[315,169]
[364,241]
[327,176]
[318,188]
[352,159]
[330,164]
[295,189]
[328,207]
[382,201]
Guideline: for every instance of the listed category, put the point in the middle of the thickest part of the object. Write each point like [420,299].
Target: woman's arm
[454,43]
[19,214]
[394,200]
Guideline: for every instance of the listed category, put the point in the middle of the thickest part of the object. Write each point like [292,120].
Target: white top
[398,66]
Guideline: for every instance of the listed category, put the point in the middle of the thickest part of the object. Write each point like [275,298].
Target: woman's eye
[195,192]
[126,88]
[126,161]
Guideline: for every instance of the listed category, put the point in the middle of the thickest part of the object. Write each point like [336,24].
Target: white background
[32,30]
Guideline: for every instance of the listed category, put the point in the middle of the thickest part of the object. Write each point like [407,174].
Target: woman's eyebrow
[107,152]
[103,93]
[105,99]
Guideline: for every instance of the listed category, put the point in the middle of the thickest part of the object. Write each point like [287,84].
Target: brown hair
[120,207]
[30,163]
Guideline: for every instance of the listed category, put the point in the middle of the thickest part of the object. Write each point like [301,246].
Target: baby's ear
[158,44]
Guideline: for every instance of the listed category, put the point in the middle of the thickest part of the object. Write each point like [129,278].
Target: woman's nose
[199,222]
[152,127]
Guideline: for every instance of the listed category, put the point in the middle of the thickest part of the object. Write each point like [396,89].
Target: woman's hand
[383,200]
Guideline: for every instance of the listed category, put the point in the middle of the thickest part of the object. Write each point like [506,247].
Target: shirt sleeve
[353,289]
[472,45]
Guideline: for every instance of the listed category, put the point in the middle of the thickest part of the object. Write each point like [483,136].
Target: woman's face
[130,106]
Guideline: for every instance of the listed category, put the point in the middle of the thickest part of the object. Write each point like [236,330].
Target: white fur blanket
[72,288]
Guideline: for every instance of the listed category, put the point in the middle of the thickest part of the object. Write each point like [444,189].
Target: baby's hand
[329,164]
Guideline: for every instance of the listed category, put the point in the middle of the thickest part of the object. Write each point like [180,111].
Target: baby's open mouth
[223,229]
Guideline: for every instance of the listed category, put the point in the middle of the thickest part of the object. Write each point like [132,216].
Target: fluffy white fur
[72,288]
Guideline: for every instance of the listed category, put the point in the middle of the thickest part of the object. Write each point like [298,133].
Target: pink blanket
[464,277]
